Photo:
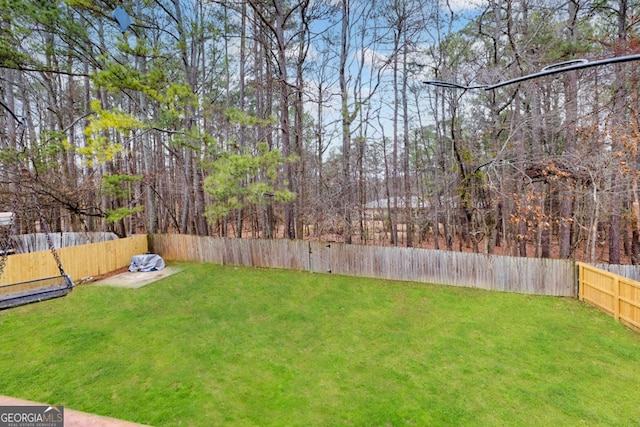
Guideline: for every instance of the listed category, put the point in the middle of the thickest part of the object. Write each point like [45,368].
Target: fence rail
[614,294]
[78,261]
[501,273]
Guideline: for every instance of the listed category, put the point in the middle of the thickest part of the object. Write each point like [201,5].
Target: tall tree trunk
[299,167]
[395,191]
[618,112]
[241,89]
[186,192]
[346,123]
[319,153]
[405,163]
[285,131]
[571,124]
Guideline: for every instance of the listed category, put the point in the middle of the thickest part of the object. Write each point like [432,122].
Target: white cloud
[371,58]
[464,5]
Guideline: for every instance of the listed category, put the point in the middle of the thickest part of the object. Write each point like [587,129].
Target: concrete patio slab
[138,279]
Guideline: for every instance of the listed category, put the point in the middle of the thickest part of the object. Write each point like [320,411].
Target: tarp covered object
[145,263]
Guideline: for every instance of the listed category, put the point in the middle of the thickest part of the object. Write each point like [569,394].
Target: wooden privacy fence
[617,295]
[628,271]
[611,292]
[523,275]
[501,273]
[78,261]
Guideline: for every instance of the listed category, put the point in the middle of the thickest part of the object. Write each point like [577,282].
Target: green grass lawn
[217,345]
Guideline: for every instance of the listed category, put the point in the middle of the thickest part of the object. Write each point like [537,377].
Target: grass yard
[217,345]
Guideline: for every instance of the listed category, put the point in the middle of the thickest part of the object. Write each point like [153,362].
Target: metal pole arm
[561,67]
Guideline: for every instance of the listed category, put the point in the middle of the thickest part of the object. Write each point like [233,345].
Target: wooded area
[309,119]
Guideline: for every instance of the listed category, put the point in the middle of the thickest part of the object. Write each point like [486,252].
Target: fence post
[580,284]
[616,298]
